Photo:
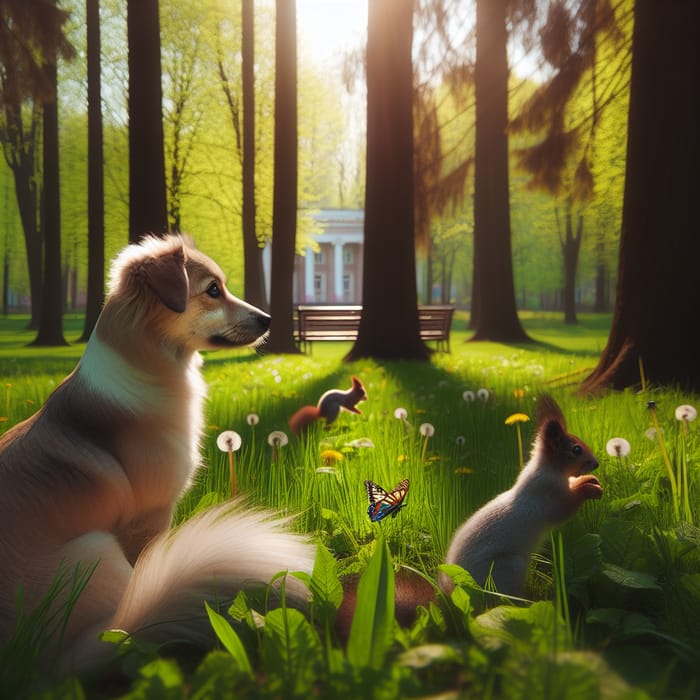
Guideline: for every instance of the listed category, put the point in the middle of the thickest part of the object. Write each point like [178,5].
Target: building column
[309,295]
[338,271]
[267,267]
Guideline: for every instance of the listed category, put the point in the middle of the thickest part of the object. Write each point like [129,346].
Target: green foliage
[614,597]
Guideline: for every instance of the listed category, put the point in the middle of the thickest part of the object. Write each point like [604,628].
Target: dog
[89,483]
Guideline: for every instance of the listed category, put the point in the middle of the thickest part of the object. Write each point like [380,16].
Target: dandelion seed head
[427,429]
[469,395]
[400,413]
[685,412]
[651,433]
[483,394]
[617,447]
[277,438]
[252,419]
[460,441]
[228,441]
[360,442]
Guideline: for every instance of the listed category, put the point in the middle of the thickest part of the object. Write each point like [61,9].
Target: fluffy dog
[89,483]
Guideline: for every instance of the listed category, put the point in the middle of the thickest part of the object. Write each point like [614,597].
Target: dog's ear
[167,277]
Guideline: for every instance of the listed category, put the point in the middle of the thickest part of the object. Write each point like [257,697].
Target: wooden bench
[315,322]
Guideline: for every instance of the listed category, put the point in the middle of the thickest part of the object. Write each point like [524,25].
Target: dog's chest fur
[156,420]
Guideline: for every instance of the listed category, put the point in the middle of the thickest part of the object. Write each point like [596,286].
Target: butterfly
[382,503]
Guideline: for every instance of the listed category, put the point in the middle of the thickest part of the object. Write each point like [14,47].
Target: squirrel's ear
[554,436]
[548,409]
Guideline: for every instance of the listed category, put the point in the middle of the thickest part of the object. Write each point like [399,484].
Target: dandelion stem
[232,474]
[520,445]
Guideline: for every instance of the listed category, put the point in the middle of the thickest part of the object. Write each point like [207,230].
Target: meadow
[613,606]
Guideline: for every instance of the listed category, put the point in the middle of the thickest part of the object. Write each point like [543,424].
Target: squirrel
[499,538]
[328,407]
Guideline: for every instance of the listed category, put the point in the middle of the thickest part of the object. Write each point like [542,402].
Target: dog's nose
[263,319]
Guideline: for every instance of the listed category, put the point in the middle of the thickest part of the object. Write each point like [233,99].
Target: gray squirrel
[499,539]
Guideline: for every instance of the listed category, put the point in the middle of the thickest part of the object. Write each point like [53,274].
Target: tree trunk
[50,330]
[254,277]
[657,305]
[96,227]
[496,315]
[148,212]
[570,247]
[20,145]
[389,324]
[284,207]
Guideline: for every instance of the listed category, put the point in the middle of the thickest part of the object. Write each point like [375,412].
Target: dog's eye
[213,290]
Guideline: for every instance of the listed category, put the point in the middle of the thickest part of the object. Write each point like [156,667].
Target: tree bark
[148,211]
[657,305]
[389,324]
[284,207]
[50,332]
[495,315]
[96,227]
[254,277]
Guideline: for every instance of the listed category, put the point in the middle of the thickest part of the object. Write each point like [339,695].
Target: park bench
[315,322]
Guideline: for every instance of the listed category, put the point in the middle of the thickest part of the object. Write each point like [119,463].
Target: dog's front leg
[139,531]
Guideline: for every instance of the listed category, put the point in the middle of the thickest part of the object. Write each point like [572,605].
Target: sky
[330,27]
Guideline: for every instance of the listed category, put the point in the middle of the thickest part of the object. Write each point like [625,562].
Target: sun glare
[329,28]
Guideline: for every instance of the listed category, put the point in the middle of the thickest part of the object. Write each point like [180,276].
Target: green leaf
[290,647]
[230,640]
[630,579]
[325,584]
[371,630]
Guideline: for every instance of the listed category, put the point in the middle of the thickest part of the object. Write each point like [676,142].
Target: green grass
[617,603]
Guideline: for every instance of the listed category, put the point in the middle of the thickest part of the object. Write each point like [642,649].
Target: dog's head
[171,289]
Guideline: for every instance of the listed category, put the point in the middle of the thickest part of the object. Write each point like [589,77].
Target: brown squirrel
[328,407]
[499,538]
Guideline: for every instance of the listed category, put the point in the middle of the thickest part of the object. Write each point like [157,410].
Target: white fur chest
[158,419]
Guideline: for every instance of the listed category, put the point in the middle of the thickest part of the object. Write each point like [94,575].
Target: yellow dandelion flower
[517,418]
[329,457]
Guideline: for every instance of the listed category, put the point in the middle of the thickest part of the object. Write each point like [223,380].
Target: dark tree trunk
[496,315]
[50,330]
[570,247]
[389,324]
[601,280]
[657,304]
[254,277]
[20,154]
[284,207]
[96,228]
[148,211]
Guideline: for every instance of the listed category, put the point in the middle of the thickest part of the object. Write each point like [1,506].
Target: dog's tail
[211,557]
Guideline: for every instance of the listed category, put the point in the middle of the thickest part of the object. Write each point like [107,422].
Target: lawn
[615,593]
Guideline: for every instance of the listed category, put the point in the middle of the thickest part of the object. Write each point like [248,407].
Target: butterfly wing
[383,503]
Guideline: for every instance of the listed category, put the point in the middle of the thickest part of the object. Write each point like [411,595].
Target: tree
[284,207]
[657,303]
[50,331]
[147,191]
[494,313]
[389,323]
[29,31]
[96,210]
[254,289]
